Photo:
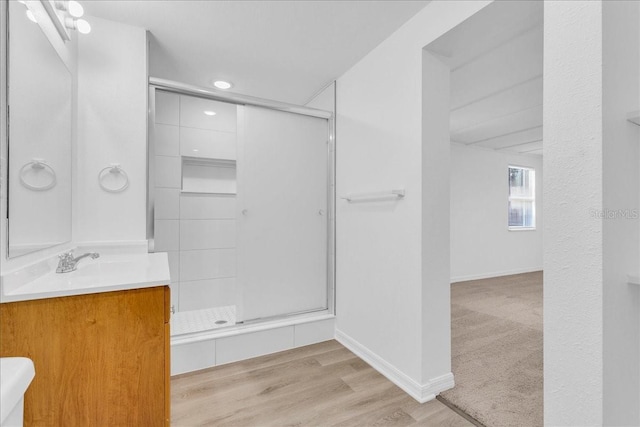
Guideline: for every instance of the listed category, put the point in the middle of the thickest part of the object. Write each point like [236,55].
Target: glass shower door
[282,213]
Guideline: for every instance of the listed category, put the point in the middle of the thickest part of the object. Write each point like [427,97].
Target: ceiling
[496,77]
[281,50]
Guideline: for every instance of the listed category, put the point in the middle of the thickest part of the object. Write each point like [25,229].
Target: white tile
[207,206]
[207,234]
[207,143]
[200,294]
[167,140]
[168,172]
[314,332]
[174,265]
[193,356]
[245,346]
[167,203]
[175,295]
[167,108]
[207,264]
[192,114]
[166,235]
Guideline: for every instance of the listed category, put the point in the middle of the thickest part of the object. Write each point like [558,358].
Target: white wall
[573,250]
[481,243]
[381,286]
[112,128]
[621,233]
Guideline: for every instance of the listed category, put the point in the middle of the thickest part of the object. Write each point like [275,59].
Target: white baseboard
[494,274]
[420,392]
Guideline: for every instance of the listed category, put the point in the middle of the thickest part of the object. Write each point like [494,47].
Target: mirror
[39,98]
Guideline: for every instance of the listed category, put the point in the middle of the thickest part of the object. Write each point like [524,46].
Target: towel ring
[38,165]
[113,168]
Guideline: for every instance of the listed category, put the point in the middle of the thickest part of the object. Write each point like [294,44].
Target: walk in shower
[241,198]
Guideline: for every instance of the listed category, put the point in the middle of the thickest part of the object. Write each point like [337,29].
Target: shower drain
[220,322]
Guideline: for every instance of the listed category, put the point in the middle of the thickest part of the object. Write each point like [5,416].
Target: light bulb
[75,9]
[83,26]
[31,17]
[210,113]
[221,84]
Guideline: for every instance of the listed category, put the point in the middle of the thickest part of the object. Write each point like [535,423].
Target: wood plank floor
[318,385]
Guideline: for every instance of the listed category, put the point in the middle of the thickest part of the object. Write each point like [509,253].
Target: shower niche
[239,199]
[208,176]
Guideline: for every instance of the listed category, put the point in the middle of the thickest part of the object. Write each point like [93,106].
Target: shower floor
[186,322]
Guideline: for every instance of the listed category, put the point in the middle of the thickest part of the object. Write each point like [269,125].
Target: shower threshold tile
[186,322]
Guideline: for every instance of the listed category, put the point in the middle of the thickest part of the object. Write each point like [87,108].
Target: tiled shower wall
[196,229]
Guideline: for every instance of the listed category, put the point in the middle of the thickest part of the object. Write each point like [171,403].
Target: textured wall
[573,259]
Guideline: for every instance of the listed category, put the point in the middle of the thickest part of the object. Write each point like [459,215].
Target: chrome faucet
[68,263]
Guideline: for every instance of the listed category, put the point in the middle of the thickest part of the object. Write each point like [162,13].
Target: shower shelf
[634,279]
[634,117]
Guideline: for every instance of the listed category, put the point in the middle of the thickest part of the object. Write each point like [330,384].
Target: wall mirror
[39,98]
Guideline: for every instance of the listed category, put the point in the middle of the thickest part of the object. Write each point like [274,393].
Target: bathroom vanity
[101,352]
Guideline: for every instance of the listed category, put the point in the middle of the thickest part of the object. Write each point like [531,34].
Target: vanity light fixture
[31,17]
[81,25]
[75,9]
[210,113]
[70,12]
[221,84]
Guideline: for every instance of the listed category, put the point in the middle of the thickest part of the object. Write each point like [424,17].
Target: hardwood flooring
[317,385]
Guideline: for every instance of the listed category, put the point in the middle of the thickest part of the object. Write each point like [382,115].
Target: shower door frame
[242,100]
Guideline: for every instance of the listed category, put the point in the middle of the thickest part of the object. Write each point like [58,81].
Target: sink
[16,373]
[111,272]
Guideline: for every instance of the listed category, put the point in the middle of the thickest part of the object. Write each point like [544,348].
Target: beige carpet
[496,332]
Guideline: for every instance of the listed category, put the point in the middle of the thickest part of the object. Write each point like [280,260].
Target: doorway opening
[494,64]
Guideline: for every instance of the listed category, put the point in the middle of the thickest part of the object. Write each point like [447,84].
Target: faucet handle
[65,256]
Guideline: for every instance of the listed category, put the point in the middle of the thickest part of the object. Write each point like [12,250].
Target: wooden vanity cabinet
[100,359]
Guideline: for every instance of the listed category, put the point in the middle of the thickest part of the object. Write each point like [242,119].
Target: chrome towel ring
[37,165]
[113,168]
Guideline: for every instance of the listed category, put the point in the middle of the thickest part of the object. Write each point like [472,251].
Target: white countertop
[16,374]
[110,272]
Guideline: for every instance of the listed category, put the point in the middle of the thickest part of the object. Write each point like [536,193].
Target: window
[522,198]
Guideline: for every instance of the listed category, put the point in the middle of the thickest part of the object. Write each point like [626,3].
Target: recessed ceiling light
[210,113]
[221,84]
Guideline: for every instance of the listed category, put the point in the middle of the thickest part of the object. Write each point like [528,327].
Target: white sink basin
[16,373]
[108,273]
